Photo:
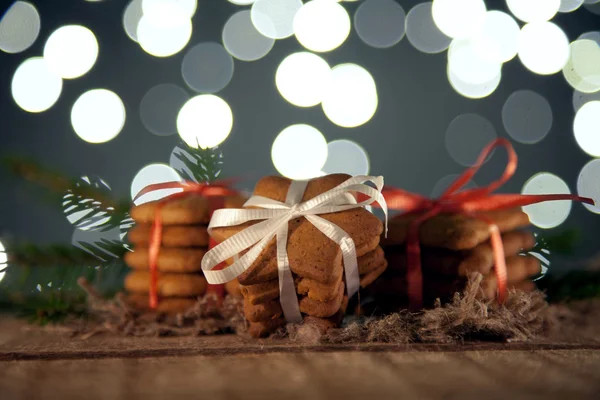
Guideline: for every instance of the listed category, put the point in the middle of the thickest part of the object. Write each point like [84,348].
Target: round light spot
[346,157]
[302,78]
[580,98]
[582,70]
[423,33]
[242,40]
[533,10]
[569,5]
[3,261]
[473,90]
[588,184]
[498,39]
[466,136]
[299,152]
[549,214]
[164,40]
[98,116]
[169,12]
[350,98]
[71,51]
[380,23]
[459,18]
[586,127]
[131,18]
[527,116]
[445,182]
[152,174]
[160,106]
[242,2]
[468,65]
[593,35]
[321,25]
[543,48]
[19,27]
[204,121]
[593,7]
[207,68]
[35,87]
[275,18]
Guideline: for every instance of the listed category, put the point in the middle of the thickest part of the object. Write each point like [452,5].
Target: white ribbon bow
[276,216]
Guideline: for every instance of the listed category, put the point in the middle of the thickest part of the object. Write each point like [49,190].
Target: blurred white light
[152,174]
[347,157]
[459,18]
[588,184]
[582,71]
[321,25]
[242,40]
[549,214]
[592,35]
[204,121]
[275,18]
[164,40]
[350,98]
[543,48]
[3,261]
[592,6]
[207,67]
[580,98]
[533,10]
[586,127]
[445,182]
[160,106]
[302,78]
[527,116]
[474,90]
[131,18]
[168,12]
[498,39]
[422,32]
[380,23]
[569,5]
[469,66]
[19,27]
[466,136]
[299,152]
[35,87]
[242,2]
[71,51]
[98,116]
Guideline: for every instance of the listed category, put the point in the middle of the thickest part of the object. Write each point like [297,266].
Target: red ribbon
[214,192]
[466,202]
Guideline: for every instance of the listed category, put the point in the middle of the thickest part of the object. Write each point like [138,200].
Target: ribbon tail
[153,250]
[287,291]
[499,262]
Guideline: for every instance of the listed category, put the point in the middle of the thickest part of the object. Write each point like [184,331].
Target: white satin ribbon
[275,216]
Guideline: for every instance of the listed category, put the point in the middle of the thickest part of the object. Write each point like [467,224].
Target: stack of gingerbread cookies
[452,248]
[184,242]
[315,261]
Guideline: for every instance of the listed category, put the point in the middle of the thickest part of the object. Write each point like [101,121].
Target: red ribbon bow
[466,202]
[215,192]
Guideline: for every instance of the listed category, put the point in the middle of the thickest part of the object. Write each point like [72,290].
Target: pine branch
[199,165]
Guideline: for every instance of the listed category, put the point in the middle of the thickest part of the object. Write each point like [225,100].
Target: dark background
[404,140]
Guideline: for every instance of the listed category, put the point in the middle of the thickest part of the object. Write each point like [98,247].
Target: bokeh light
[580,98]
[468,65]
[204,121]
[321,25]
[71,51]
[207,67]
[533,10]
[380,23]
[588,184]
[164,37]
[275,18]
[586,127]
[35,88]
[98,116]
[242,40]
[569,5]
[543,48]
[592,6]
[19,27]
[347,157]
[350,98]
[3,261]
[299,152]
[466,136]
[163,10]
[498,39]
[423,33]
[302,78]
[242,2]
[159,108]
[131,18]
[152,174]
[527,116]
[445,182]
[459,18]
[474,90]
[549,214]
[582,70]
[593,35]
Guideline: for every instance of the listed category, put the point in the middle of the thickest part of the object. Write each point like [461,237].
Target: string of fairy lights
[478,41]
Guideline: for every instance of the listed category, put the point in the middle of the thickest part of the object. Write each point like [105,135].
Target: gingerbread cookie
[172,236]
[233,288]
[177,260]
[189,210]
[322,309]
[168,285]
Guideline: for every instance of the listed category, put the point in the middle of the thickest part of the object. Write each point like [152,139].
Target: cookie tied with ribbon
[303,248]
